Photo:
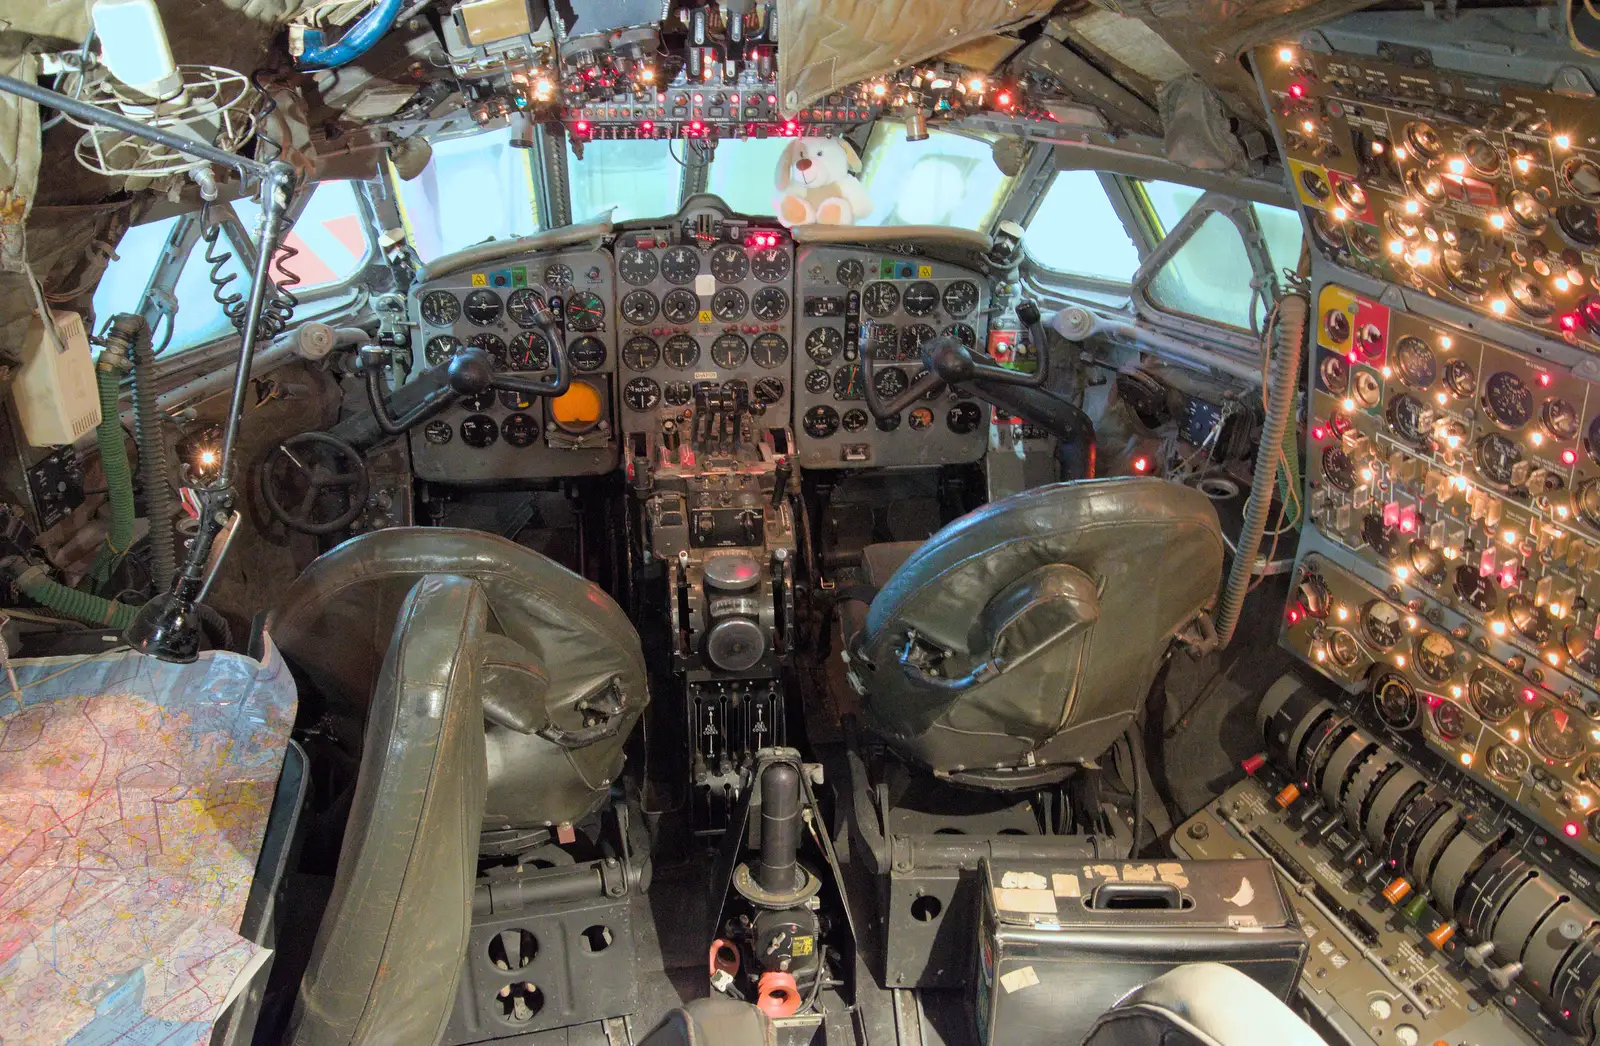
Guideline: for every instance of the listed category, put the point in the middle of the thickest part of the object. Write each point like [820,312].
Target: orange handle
[777,994]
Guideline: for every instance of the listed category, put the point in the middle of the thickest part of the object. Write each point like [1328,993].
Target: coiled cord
[278,303]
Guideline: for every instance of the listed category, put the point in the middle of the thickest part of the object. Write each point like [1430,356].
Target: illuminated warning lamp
[1141,464]
[1529,696]
[1562,141]
[648,127]
[1497,221]
[1569,457]
[1319,432]
[1295,614]
[1003,99]
[1297,91]
[1570,829]
[582,127]
[1285,54]
[696,127]
[1544,380]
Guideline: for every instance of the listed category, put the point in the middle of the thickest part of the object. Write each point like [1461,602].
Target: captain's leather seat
[1202,1004]
[562,680]
[388,952]
[1021,640]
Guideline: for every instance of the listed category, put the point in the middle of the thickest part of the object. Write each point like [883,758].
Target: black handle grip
[1151,896]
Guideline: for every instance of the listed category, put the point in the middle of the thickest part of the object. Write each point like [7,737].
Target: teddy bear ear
[786,159]
[852,161]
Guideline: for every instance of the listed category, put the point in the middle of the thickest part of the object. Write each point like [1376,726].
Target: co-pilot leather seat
[562,682]
[1022,639]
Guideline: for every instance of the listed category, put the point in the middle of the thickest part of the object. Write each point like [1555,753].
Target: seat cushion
[878,564]
[388,953]
[717,1021]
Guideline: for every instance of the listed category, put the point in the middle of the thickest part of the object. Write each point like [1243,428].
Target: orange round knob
[1286,798]
[1397,890]
[1441,935]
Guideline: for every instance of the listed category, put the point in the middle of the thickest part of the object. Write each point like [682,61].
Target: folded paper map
[135,796]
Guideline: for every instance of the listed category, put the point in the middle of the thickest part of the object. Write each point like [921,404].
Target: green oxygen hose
[114,461]
[80,606]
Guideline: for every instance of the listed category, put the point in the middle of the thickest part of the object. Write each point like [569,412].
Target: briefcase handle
[1146,896]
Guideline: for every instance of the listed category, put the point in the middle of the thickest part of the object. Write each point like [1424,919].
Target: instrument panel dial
[479,430]
[920,298]
[729,351]
[640,353]
[847,383]
[769,303]
[522,306]
[729,263]
[680,265]
[818,381]
[912,338]
[520,430]
[440,348]
[823,344]
[528,351]
[1416,362]
[1382,624]
[679,306]
[585,311]
[729,303]
[641,394]
[889,382]
[639,307]
[960,298]
[770,264]
[637,266]
[587,354]
[880,299]
[769,350]
[768,391]
[440,308]
[854,420]
[850,272]
[1557,734]
[481,307]
[1493,694]
[681,351]
[558,278]
[964,418]
[820,422]
[1507,400]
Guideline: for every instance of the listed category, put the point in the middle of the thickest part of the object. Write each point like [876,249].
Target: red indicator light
[1142,464]
[1569,321]
[1352,357]
[1319,432]
[582,126]
[1297,90]
[1569,457]
[1003,98]
[647,127]
[1294,615]
[699,98]
[1544,381]
[1529,696]
[1571,829]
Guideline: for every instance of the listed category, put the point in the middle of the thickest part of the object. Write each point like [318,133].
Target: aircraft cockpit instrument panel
[498,436]
[855,302]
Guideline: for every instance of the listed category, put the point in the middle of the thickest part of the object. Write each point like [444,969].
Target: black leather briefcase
[1060,942]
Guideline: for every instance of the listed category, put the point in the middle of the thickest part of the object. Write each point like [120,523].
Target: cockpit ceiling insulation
[830,43]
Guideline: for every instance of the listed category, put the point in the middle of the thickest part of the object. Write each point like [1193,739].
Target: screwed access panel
[534,970]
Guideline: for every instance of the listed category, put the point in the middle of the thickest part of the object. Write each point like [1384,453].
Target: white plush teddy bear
[828,192]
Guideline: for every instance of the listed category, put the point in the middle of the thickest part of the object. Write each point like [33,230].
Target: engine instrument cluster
[854,303]
[706,324]
[498,436]
[1477,191]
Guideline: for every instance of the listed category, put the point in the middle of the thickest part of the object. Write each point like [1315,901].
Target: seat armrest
[1040,608]
[1202,1004]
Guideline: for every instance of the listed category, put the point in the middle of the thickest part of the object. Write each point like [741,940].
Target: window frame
[353,291]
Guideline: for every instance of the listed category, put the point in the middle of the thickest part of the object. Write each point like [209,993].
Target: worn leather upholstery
[1021,639]
[562,682]
[716,1021]
[1203,1004]
[388,952]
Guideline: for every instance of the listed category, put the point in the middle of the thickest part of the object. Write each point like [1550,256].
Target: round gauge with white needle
[920,298]
[439,308]
[482,307]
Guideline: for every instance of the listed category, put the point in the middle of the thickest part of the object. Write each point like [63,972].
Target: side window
[199,318]
[949,179]
[473,189]
[1076,231]
[630,179]
[1210,275]
[330,241]
[744,172]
